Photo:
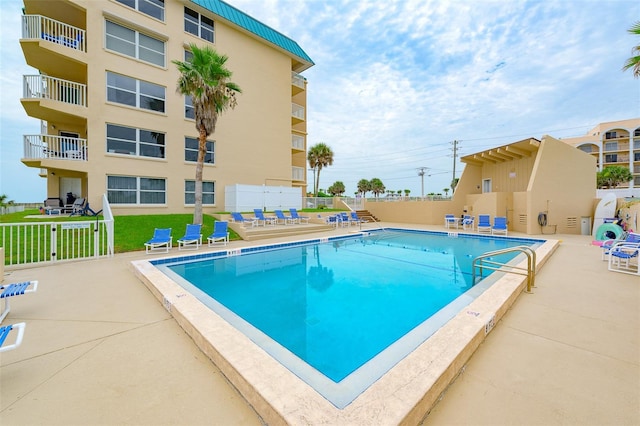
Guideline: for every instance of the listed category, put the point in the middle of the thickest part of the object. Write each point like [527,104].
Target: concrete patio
[100,349]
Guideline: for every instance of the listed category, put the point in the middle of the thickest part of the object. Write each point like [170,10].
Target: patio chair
[608,244]
[450,221]
[468,222]
[77,208]
[192,239]
[281,218]
[356,219]
[624,257]
[296,216]
[220,234]
[344,219]
[6,330]
[499,225]
[266,220]
[237,217]
[161,242]
[15,289]
[484,223]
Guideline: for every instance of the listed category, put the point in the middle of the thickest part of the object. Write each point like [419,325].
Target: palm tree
[634,61]
[319,156]
[377,187]
[364,186]
[206,79]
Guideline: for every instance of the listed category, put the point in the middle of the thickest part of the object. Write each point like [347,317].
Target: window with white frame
[189,111]
[611,158]
[136,93]
[136,190]
[134,44]
[198,25]
[611,146]
[191,151]
[133,141]
[610,135]
[153,8]
[208,192]
[486,185]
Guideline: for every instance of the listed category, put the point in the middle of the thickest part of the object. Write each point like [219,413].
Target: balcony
[39,148]
[54,47]
[53,99]
[297,83]
[297,113]
[297,173]
[297,142]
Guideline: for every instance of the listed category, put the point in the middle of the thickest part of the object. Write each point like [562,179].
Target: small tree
[612,176]
[337,189]
[446,191]
[364,186]
[377,187]
[319,156]
[407,192]
[4,201]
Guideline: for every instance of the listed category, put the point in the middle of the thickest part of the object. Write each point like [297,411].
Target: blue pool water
[336,305]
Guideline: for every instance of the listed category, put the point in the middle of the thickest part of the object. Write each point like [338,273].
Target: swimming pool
[340,313]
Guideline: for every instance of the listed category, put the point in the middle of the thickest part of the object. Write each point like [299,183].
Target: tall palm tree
[319,156]
[206,79]
[634,61]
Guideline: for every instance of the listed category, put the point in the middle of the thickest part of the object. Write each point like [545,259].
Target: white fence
[39,242]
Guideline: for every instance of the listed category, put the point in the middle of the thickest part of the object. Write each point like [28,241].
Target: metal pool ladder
[482,262]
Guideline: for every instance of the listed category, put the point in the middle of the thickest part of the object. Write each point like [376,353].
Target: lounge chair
[15,289]
[220,233]
[356,219]
[625,257]
[77,208]
[266,220]
[468,222]
[608,244]
[484,223]
[281,218]
[499,225]
[344,219]
[297,217]
[192,239]
[162,241]
[6,330]
[450,221]
[238,218]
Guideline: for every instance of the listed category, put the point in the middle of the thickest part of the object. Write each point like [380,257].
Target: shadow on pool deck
[100,349]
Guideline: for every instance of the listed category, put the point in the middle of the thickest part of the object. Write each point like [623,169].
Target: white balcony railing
[297,142]
[297,80]
[57,89]
[55,147]
[37,27]
[297,173]
[297,111]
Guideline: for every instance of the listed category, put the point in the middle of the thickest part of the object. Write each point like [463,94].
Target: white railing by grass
[297,111]
[57,89]
[38,27]
[317,202]
[57,147]
[47,242]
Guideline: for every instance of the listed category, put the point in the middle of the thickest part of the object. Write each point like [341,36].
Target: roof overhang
[514,151]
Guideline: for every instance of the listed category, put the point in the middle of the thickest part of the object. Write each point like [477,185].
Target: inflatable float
[608,231]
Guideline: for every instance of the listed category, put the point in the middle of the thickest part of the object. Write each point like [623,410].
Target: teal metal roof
[254,26]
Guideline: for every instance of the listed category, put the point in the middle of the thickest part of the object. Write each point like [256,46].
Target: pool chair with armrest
[281,218]
[356,219]
[162,241]
[296,216]
[629,237]
[468,222]
[499,225]
[484,223]
[266,220]
[192,239]
[625,257]
[344,219]
[450,221]
[77,208]
[15,289]
[220,234]
[6,330]
[238,218]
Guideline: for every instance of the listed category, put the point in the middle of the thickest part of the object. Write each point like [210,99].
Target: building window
[610,135]
[189,111]
[136,190]
[208,192]
[132,141]
[198,25]
[636,132]
[611,146]
[486,185]
[611,158]
[136,93]
[191,151]
[586,148]
[636,156]
[154,8]
[134,44]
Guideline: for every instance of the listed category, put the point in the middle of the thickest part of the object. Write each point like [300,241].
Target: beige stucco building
[112,121]
[614,143]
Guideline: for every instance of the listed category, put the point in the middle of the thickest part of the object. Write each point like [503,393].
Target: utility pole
[455,156]
[421,171]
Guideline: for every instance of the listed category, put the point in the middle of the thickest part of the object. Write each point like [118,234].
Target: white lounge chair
[192,239]
[220,234]
[162,241]
[15,289]
[6,330]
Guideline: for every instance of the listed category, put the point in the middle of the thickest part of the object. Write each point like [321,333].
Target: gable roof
[257,28]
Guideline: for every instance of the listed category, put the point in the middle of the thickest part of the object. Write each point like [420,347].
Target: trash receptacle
[585,225]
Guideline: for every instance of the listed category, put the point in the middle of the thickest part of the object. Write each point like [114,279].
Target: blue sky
[395,82]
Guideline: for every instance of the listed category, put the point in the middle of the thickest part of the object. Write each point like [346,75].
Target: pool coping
[404,394]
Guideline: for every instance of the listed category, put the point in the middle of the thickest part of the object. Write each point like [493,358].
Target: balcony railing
[55,147]
[297,111]
[297,142]
[297,173]
[297,80]
[57,89]
[38,27]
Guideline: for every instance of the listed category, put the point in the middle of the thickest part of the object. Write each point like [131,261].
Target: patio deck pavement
[100,349]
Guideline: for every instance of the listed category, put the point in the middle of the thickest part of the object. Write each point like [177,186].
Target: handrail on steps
[482,262]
